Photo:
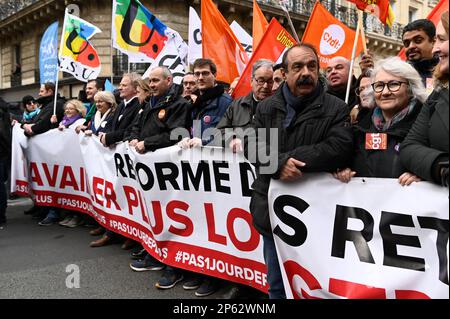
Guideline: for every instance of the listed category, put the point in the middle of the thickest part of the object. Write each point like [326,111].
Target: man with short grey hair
[165,111]
[241,111]
[126,111]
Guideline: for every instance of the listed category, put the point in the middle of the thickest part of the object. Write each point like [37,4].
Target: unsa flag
[329,36]
[275,41]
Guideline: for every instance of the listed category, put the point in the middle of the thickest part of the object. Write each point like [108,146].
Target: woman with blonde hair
[425,151]
[102,120]
[74,111]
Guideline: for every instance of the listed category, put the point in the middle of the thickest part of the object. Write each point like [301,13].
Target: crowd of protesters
[317,130]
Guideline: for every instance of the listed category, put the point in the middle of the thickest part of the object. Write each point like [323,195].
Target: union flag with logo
[329,36]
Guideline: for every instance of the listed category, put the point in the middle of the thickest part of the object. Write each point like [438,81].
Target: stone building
[22,24]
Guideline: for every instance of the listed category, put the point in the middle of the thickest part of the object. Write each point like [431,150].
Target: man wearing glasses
[210,106]
[240,113]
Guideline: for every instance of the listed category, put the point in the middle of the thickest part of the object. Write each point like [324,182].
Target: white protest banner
[188,208]
[19,165]
[370,238]
[194,36]
[173,56]
[245,38]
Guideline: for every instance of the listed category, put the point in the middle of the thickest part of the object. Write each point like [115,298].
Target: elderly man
[165,112]
[314,135]
[126,111]
[241,111]
[337,72]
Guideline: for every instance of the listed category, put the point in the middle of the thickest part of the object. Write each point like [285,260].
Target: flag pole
[113,10]
[60,53]
[291,25]
[363,35]
[355,44]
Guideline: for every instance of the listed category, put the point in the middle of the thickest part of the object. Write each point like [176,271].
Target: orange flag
[329,36]
[220,44]
[435,16]
[273,44]
[260,24]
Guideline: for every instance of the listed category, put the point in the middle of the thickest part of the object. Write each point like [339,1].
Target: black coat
[427,141]
[320,136]
[122,121]
[42,122]
[5,131]
[156,122]
[381,163]
[238,115]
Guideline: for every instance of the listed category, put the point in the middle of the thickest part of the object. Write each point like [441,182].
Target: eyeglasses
[189,83]
[203,73]
[393,86]
[262,81]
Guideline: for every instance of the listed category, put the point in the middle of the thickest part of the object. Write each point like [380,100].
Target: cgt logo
[333,38]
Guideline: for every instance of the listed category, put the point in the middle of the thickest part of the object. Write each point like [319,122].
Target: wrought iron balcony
[349,16]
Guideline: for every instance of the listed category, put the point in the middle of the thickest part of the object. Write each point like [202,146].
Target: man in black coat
[313,135]
[241,111]
[5,150]
[165,111]
[126,111]
[41,123]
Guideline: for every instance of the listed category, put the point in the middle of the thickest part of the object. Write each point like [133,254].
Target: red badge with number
[376,141]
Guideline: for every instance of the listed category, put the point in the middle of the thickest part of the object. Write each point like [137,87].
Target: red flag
[435,16]
[329,36]
[380,8]
[260,24]
[220,44]
[273,43]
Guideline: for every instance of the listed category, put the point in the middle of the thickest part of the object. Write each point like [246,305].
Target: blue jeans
[3,196]
[274,278]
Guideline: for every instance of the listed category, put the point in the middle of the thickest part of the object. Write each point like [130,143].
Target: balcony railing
[349,16]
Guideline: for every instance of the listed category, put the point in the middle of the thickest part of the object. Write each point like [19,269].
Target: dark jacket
[427,142]
[42,122]
[319,135]
[157,121]
[5,131]
[381,163]
[105,125]
[352,99]
[238,115]
[425,68]
[209,109]
[122,121]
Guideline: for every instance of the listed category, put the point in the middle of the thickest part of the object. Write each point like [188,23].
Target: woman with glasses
[399,94]
[425,150]
[74,111]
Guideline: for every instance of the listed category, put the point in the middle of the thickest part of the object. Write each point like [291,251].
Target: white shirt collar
[128,102]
